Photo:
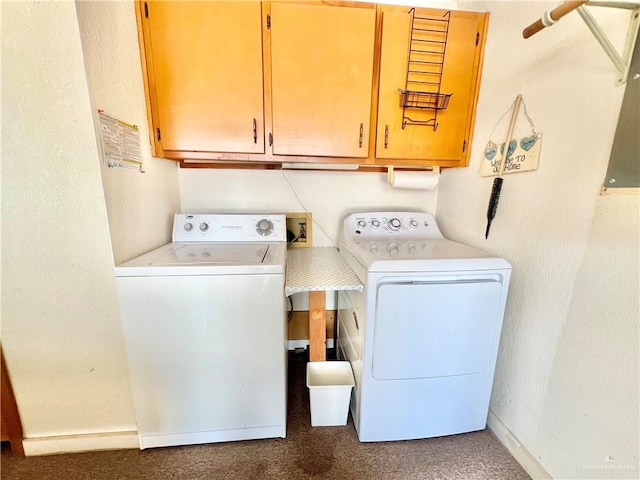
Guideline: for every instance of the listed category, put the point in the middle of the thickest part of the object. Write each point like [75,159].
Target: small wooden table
[318,270]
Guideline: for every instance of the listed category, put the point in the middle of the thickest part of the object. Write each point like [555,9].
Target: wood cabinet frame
[11,425]
[270,161]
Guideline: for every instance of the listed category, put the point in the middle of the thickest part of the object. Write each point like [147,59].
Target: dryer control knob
[375,223]
[413,223]
[394,224]
[393,249]
[362,223]
[204,226]
[188,227]
[264,227]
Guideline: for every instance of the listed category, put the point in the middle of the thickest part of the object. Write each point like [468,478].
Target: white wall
[140,207]
[61,330]
[567,376]
[329,196]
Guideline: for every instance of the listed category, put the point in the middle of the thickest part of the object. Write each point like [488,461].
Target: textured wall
[562,240]
[61,328]
[329,196]
[591,412]
[140,207]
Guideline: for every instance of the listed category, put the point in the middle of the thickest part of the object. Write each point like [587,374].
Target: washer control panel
[390,225]
[220,227]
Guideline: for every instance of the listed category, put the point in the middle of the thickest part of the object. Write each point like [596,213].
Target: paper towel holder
[391,173]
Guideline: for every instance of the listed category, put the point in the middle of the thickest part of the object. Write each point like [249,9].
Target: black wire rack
[425,66]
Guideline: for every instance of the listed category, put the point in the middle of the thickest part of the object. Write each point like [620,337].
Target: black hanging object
[493,203]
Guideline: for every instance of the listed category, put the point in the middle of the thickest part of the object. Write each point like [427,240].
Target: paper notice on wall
[120,143]
[523,155]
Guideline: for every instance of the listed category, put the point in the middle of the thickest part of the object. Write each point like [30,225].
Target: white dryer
[423,337]
[204,321]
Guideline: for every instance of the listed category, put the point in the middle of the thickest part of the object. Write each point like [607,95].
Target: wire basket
[426,100]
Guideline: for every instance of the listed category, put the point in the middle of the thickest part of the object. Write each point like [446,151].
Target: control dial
[393,249]
[204,226]
[394,224]
[264,227]
[188,227]
[362,223]
[375,223]
[413,223]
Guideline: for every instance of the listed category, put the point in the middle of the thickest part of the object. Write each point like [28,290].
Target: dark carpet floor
[307,452]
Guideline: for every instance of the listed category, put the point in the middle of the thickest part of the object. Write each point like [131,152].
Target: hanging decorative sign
[522,155]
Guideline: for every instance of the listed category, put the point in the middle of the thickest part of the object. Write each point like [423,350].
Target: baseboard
[519,452]
[80,443]
[294,344]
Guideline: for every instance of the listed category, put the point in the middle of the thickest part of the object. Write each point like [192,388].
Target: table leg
[317,326]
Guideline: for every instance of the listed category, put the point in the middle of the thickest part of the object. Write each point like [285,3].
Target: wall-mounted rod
[549,18]
[621,62]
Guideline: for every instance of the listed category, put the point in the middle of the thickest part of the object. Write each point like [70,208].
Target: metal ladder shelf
[425,64]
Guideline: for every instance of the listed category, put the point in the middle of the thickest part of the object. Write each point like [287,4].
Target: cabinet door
[205,70]
[322,70]
[459,78]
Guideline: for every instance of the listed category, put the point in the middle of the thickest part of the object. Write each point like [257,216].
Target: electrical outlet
[299,229]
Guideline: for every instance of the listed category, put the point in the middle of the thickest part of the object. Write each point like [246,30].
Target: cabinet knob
[361,135]
[386,136]
[255,131]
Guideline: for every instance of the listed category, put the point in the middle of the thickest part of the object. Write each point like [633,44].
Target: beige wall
[67,219]
[567,377]
[329,196]
[61,328]
[140,207]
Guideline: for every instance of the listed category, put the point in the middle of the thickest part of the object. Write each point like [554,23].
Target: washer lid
[421,256]
[208,253]
[187,258]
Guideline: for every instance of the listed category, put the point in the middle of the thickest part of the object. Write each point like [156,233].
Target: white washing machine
[423,337]
[205,329]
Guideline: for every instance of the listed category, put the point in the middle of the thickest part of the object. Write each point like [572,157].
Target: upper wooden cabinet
[204,71]
[328,82]
[429,67]
[321,71]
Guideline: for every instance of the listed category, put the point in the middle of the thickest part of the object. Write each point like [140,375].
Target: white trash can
[330,385]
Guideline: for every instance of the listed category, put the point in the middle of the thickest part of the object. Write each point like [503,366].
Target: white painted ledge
[519,452]
[80,443]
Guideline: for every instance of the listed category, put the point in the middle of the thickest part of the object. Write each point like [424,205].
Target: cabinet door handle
[386,136]
[355,319]
[255,131]
[361,135]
